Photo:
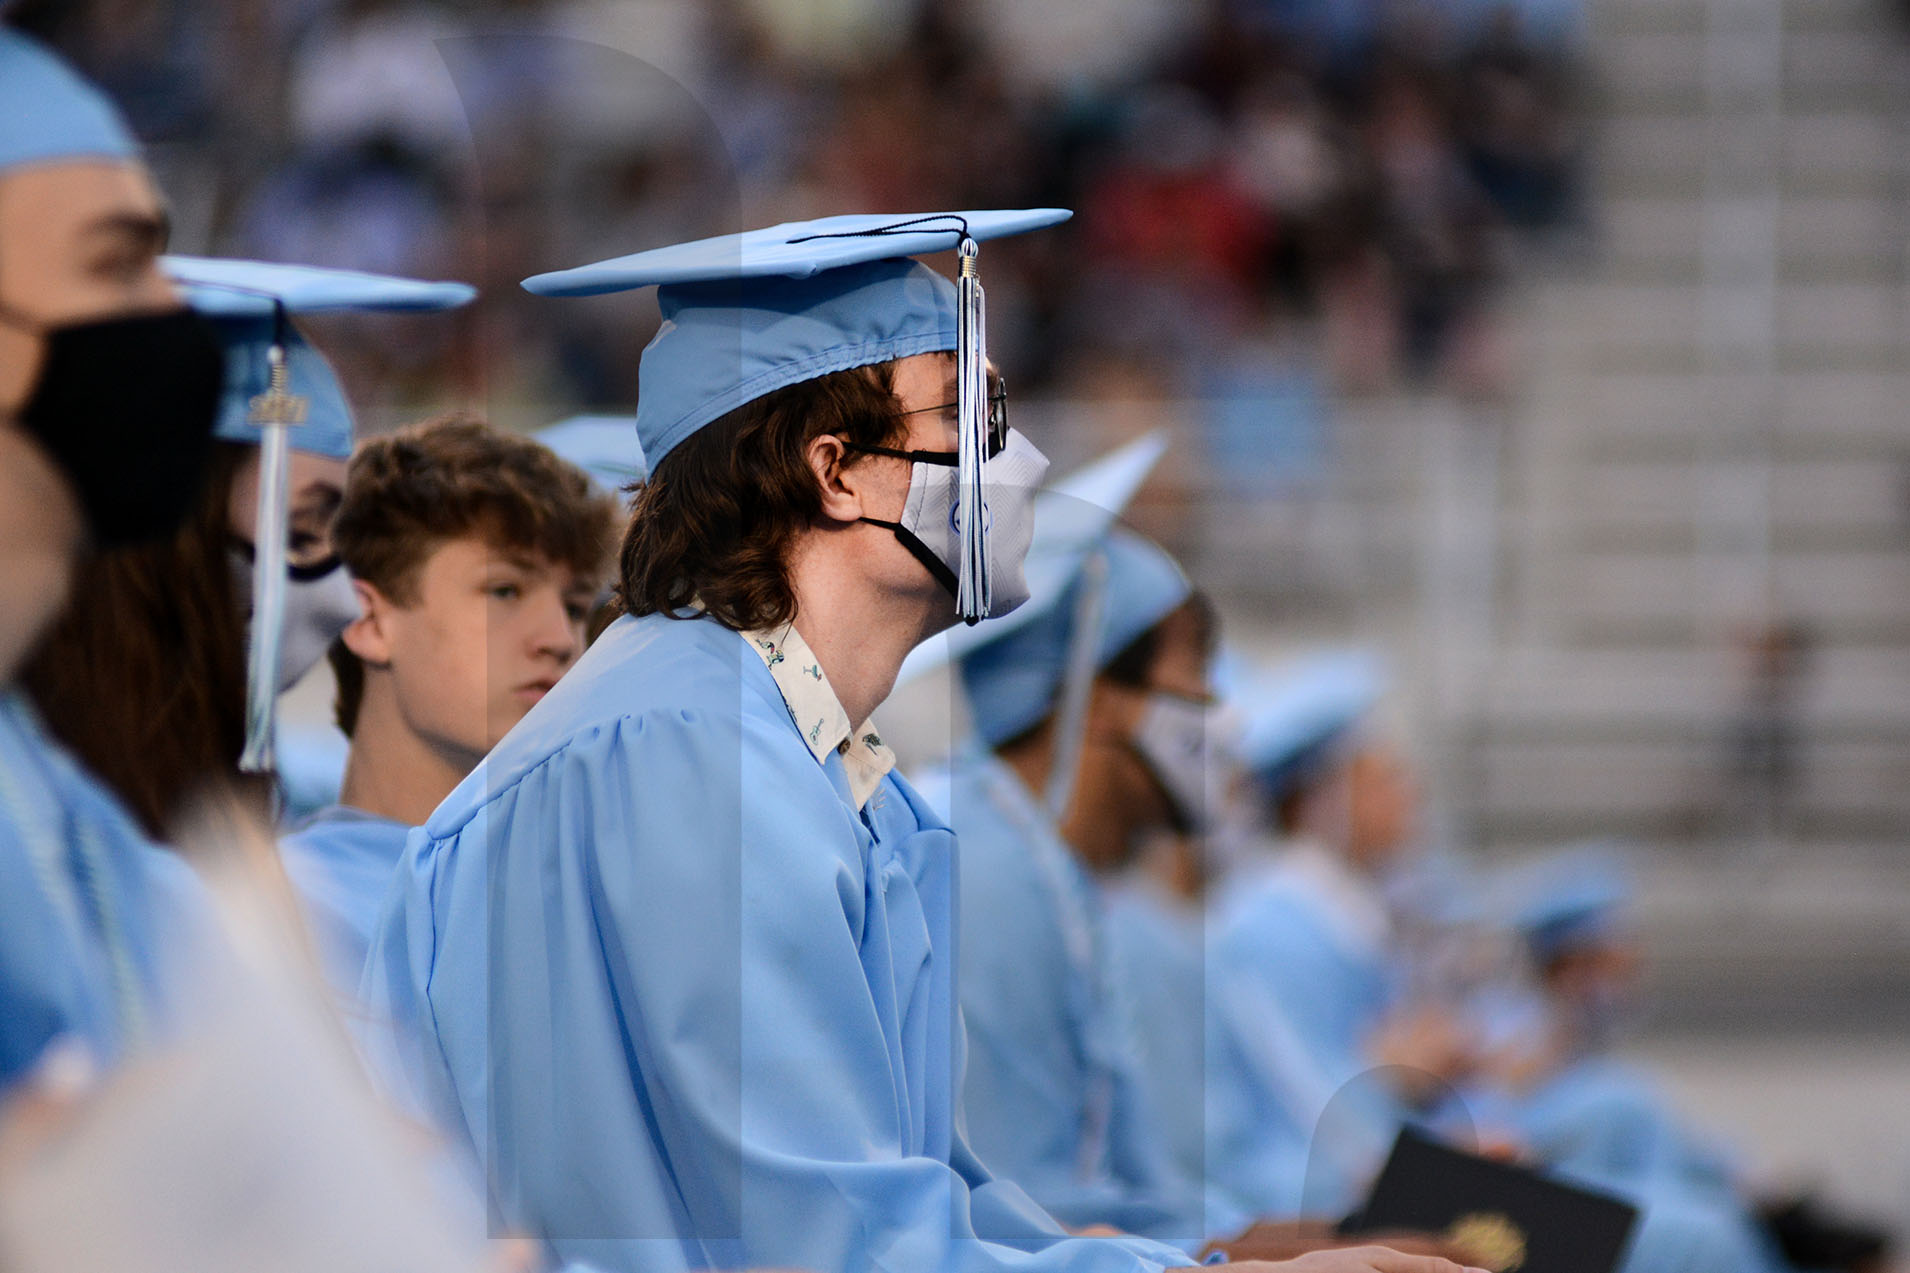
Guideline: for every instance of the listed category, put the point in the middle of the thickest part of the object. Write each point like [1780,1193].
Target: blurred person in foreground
[476,556]
[679,950]
[154,1047]
[108,390]
[146,676]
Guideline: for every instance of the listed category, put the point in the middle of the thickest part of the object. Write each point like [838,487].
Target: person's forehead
[81,196]
[488,548]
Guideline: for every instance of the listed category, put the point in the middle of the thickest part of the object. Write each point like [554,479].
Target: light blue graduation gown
[1303,984]
[1196,1023]
[88,906]
[341,861]
[1053,1090]
[691,1006]
[1602,1119]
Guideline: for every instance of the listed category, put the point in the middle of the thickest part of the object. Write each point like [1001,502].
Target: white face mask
[320,603]
[1176,739]
[929,528]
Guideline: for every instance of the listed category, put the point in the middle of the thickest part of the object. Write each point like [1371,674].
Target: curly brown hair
[456,477]
[715,521]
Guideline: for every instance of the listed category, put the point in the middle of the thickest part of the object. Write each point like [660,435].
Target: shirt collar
[818,713]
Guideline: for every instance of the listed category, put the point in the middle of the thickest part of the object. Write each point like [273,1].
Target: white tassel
[274,411]
[974,592]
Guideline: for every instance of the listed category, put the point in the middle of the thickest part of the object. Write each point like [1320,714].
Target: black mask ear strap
[911,541]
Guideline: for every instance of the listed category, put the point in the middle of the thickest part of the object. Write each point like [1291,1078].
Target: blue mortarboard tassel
[1077,684]
[973,594]
[274,412]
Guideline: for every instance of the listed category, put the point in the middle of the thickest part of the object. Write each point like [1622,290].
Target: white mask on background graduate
[930,529]
[320,603]
[1176,739]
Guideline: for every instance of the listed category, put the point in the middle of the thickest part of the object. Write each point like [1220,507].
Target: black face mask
[125,408]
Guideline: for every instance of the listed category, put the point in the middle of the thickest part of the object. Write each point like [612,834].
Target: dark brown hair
[715,522]
[455,477]
[143,677]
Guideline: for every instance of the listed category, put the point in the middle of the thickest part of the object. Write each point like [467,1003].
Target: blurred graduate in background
[1051,1089]
[1302,937]
[1551,1081]
[1055,791]
[1312,933]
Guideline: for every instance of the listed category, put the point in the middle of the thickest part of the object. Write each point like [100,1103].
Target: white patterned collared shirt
[818,713]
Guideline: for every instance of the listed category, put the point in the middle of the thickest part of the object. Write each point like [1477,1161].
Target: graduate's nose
[555,634]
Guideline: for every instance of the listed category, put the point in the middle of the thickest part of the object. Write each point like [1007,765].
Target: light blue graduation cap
[604,446]
[1573,897]
[1015,682]
[48,114]
[747,314]
[250,302]
[1295,714]
[281,393]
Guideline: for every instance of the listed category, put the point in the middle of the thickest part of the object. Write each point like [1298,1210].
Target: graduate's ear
[368,636]
[836,478]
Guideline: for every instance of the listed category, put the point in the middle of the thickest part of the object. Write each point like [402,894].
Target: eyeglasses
[997,435]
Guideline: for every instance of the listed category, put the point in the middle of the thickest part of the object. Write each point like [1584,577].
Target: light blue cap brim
[1292,713]
[794,249]
[604,446]
[747,314]
[222,288]
[48,114]
[329,423]
[246,297]
[1012,683]
[1072,518]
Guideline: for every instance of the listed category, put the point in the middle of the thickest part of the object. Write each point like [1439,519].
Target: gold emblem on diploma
[1489,1240]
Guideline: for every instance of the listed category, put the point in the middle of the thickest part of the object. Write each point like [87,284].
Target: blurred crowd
[1264,183]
